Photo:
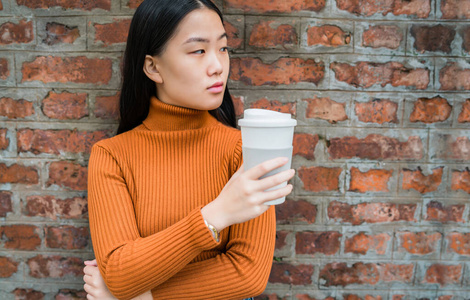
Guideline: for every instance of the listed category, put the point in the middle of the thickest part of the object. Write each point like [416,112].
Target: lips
[217,84]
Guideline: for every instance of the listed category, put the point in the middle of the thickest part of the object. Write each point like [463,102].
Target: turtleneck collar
[167,117]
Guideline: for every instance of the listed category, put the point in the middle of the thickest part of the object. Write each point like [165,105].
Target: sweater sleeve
[241,272]
[130,264]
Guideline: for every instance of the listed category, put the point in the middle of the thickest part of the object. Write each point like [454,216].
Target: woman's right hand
[244,195]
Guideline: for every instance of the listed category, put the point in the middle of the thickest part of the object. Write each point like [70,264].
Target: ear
[151,69]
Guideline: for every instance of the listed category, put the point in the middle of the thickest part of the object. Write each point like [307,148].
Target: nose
[215,64]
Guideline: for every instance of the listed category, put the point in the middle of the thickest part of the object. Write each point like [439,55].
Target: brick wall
[380,89]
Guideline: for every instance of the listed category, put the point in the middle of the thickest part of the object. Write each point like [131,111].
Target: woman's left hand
[94,283]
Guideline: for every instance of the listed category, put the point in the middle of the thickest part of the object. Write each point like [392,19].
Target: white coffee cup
[267,134]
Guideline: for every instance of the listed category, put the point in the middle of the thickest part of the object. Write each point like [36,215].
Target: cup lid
[255,117]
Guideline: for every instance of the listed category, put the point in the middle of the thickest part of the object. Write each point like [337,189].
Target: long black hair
[153,24]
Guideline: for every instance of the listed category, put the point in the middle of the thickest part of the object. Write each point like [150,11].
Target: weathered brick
[66,4]
[20,237]
[304,145]
[57,33]
[4,68]
[443,274]
[327,242]
[55,266]
[461,180]
[134,3]
[4,141]
[419,8]
[80,69]
[28,294]
[418,243]
[12,33]
[15,109]
[386,36]
[263,103]
[51,207]
[459,243]
[453,77]
[455,9]
[65,105]
[370,181]
[366,74]
[326,109]
[286,6]
[272,296]
[281,236]
[362,243]
[432,38]
[69,294]
[371,212]
[58,142]
[18,174]
[357,297]
[234,40]
[112,33]
[107,107]
[447,146]
[376,146]
[436,211]
[319,179]
[66,237]
[431,110]
[466,39]
[68,174]
[270,34]
[415,179]
[5,203]
[291,212]
[464,116]
[377,111]
[238,103]
[8,267]
[291,274]
[252,71]
[327,35]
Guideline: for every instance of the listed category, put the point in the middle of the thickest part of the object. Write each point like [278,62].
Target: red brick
[440,213]
[362,243]
[431,110]
[376,146]
[234,41]
[319,179]
[286,6]
[21,33]
[69,294]
[291,212]
[5,203]
[238,103]
[308,242]
[20,237]
[290,274]
[28,294]
[112,33]
[252,71]
[51,207]
[327,35]
[461,180]
[4,70]
[4,141]
[371,212]
[419,242]
[68,174]
[65,106]
[272,296]
[455,9]
[377,111]
[448,147]
[418,181]
[443,274]
[58,142]
[18,174]
[419,8]
[356,297]
[134,3]
[466,39]
[281,236]
[269,34]
[15,109]
[432,38]
[60,34]
[263,103]
[369,181]
[78,69]
[326,109]
[307,297]
[1,5]
[366,74]
[459,243]
[66,237]
[398,273]
[452,77]
[67,4]
[55,266]
[464,116]
[304,145]
[8,267]
[107,107]
[386,36]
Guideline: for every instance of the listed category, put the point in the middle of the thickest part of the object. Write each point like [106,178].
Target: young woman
[173,214]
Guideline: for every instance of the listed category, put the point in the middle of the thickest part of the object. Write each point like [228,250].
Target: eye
[224,49]
[200,51]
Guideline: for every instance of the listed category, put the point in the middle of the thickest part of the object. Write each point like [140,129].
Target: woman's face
[194,59]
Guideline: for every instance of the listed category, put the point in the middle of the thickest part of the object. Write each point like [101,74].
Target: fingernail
[284,159]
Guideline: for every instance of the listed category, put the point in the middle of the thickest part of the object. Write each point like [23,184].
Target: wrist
[214,216]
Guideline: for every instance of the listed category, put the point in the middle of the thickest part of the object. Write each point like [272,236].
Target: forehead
[201,23]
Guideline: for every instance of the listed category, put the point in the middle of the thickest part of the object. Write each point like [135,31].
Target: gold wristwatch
[214,231]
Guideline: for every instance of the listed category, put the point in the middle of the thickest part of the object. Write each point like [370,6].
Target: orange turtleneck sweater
[146,188]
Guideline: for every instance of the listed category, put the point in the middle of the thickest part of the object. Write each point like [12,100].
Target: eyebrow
[203,40]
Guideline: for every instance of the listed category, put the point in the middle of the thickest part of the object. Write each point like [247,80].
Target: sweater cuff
[202,236]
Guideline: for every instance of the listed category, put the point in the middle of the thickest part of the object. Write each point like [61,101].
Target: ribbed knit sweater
[146,188]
